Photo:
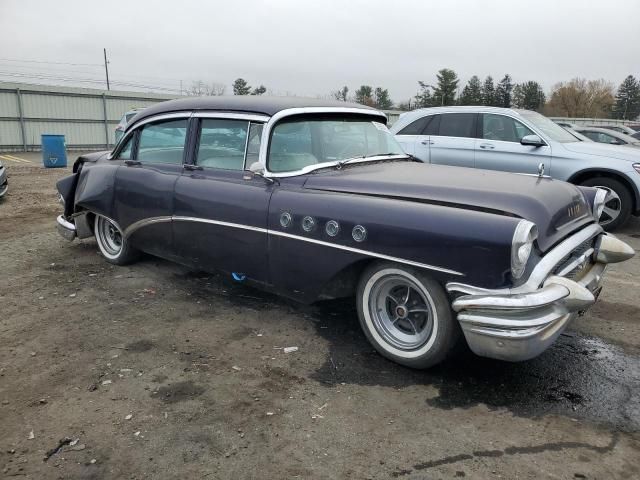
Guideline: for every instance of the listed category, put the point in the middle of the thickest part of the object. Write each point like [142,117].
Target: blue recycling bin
[54,152]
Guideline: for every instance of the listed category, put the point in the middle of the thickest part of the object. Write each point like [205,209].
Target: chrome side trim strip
[365,252]
[178,218]
[143,223]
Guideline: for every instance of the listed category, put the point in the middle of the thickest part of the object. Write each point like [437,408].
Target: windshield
[296,144]
[548,127]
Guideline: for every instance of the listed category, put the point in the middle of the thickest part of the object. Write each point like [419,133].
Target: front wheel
[112,243]
[406,315]
[617,202]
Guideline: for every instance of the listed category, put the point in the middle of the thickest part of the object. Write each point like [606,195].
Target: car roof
[265,105]
[408,117]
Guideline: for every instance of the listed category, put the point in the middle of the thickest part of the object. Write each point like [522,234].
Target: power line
[51,63]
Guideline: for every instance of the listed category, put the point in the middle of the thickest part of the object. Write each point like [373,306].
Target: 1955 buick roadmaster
[314,199]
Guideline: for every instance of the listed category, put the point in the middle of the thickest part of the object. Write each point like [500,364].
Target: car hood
[557,208]
[602,150]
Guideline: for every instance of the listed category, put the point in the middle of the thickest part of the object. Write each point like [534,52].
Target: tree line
[576,98]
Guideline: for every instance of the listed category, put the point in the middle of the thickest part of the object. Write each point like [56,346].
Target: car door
[414,138]
[220,218]
[144,183]
[453,142]
[499,147]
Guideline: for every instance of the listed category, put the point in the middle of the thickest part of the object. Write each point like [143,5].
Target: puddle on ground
[581,377]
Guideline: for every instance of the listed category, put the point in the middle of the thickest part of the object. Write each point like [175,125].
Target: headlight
[521,246]
[598,203]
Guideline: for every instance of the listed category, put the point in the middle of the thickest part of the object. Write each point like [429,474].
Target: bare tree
[581,98]
[203,89]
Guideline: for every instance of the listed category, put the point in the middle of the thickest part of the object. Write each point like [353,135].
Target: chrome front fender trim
[177,218]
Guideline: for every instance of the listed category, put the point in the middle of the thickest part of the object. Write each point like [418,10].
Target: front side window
[222,143]
[503,129]
[125,153]
[163,142]
[547,127]
[299,143]
[457,125]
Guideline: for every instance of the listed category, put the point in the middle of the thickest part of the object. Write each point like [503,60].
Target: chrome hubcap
[110,236]
[401,312]
[612,206]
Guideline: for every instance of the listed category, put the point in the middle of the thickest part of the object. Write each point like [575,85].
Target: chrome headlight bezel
[598,202]
[524,235]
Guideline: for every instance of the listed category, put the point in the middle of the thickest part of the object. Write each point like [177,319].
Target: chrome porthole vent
[308,224]
[285,219]
[332,228]
[359,233]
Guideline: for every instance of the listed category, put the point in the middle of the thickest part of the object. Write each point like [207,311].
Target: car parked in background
[124,121]
[523,141]
[616,128]
[314,199]
[612,137]
[4,183]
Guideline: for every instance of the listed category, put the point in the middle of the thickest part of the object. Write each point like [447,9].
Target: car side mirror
[256,168]
[532,141]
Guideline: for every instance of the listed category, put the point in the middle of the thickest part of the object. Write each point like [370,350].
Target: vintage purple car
[313,199]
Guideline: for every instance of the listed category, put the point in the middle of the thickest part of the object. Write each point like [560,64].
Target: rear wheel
[406,316]
[617,203]
[112,243]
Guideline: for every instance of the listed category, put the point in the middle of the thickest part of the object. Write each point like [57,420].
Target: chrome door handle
[487,146]
[427,142]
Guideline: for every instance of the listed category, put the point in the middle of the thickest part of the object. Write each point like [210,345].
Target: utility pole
[106,68]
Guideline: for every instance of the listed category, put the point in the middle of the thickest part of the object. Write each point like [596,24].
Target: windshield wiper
[342,163]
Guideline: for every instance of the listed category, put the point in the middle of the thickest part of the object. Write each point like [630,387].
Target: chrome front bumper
[520,323]
[66,228]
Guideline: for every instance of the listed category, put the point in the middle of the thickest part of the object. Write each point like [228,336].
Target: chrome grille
[566,261]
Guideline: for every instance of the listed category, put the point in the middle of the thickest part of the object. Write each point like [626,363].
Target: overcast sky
[310,48]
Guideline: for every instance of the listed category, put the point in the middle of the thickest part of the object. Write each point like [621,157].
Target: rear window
[416,127]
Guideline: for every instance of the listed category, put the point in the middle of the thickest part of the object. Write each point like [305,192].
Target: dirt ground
[155,371]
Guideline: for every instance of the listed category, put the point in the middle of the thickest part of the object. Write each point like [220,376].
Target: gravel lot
[162,372]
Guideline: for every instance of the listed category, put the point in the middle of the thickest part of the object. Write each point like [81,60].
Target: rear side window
[416,127]
[163,142]
[457,125]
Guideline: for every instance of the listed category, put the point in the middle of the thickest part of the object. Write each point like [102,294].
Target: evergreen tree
[488,92]
[364,95]
[259,90]
[503,92]
[472,92]
[341,94]
[382,99]
[424,98]
[240,87]
[445,92]
[528,95]
[627,105]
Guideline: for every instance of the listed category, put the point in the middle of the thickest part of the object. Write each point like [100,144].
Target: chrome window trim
[289,112]
[230,115]
[178,218]
[158,118]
